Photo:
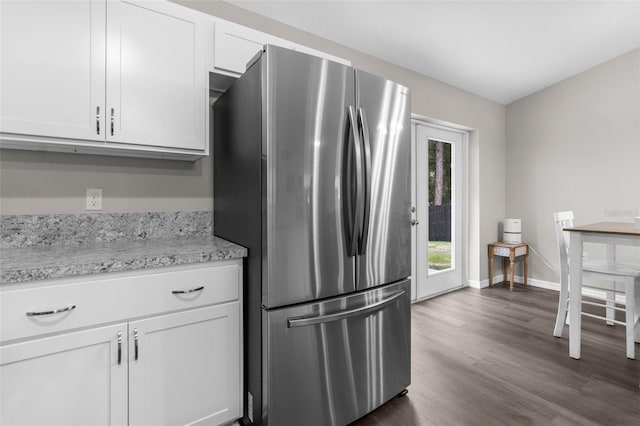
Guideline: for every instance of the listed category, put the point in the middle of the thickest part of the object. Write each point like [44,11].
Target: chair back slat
[563,220]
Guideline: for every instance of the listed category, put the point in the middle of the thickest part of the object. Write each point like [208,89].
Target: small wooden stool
[508,251]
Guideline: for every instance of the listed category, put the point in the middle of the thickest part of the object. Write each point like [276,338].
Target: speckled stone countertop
[27,264]
[17,231]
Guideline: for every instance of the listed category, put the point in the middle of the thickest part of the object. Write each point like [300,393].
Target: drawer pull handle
[135,344]
[119,347]
[55,311]
[193,290]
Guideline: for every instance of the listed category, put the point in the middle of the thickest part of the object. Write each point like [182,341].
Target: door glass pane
[440,214]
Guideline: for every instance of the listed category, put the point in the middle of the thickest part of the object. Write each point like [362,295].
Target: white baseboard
[484,283]
[499,278]
[549,285]
[475,284]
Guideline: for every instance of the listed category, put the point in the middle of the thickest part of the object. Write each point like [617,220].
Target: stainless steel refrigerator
[312,175]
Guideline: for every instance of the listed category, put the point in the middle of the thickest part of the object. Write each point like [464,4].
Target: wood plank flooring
[488,357]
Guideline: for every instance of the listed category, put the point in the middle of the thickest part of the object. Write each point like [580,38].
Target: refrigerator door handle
[321,319]
[353,215]
[366,143]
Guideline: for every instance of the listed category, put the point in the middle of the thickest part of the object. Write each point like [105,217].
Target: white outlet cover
[94,199]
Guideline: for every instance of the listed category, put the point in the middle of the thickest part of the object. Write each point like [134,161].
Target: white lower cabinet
[181,365]
[69,379]
[185,368]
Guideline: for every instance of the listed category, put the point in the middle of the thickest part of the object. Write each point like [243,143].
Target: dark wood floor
[488,357]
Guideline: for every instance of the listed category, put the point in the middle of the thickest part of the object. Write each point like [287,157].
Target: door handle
[320,319]
[112,120]
[135,344]
[366,145]
[353,213]
[414,222]
[119,347]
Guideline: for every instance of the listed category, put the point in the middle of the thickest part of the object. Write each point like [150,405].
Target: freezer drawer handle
[304,321]
[54,311]
[192,290]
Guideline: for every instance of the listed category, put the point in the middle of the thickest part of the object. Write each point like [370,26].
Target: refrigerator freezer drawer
[331,362]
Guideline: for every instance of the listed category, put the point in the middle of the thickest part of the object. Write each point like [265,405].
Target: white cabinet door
[157,90]
[69,379]
[187,369]
[52,68]
[235,46]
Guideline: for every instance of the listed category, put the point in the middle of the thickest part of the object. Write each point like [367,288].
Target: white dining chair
[611,271]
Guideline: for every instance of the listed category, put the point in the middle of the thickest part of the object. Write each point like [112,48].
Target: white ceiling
[501,50]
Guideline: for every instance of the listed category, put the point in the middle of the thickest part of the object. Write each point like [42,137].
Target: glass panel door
[439,177]
[439,161]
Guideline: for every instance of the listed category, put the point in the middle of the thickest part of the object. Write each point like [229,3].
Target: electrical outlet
[94,199]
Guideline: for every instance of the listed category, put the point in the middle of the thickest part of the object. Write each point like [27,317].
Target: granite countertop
[18,265]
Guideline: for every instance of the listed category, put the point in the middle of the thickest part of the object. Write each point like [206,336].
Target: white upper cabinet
[117,77]
[236,45]
[157,91]
[52,75]
[122,77]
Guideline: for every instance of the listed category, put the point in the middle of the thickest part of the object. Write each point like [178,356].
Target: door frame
[464,238]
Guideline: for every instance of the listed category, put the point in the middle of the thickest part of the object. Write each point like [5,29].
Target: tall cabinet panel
[71,379]
[52,76]
[156,76]
[383,113]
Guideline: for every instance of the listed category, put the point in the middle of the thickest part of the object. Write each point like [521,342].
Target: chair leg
[631,316]
[611,297]
[563,300]
[611,285]
[636,309]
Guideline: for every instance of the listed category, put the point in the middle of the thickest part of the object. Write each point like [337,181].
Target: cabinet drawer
[104,300]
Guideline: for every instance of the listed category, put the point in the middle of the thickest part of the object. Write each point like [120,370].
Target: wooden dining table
[611,234]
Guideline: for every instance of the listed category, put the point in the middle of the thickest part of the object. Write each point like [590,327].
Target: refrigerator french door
[311,174]
[385,122]
[325,122]
[306,125]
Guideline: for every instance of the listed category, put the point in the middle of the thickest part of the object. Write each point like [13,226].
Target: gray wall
[575,146]
[34,182]
[37,182]
[432,99]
